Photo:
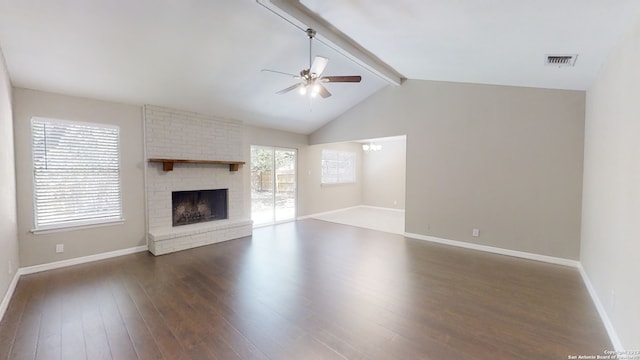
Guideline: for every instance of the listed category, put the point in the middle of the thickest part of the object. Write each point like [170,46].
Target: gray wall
[506,160]
[40,248]
[383,182]
[9,260]
[320,198]
[610,248]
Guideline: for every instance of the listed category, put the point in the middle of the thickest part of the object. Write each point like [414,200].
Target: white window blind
[338,167]
[76,173]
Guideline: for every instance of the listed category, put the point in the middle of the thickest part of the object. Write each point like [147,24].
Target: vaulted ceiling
[207,56]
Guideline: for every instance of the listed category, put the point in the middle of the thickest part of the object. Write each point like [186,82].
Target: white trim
[145,169]
[611,331]
[4,305]
[38,126]
[274,223]
[380,208]
[312,216]
[81,260]
[613,336]
[343,183]
[273,149]
[495,250]
[326,213]
[89,225]
[340,164]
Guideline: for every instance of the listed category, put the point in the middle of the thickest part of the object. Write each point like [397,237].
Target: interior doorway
[381,183]
[273,185]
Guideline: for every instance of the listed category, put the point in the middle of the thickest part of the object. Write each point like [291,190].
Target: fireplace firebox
[190,207]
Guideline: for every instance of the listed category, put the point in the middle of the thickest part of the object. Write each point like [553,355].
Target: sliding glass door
[273,185]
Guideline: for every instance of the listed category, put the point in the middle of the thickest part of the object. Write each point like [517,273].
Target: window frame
[353,162]
[75,223]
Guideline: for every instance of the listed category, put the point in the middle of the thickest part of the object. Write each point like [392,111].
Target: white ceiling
[206,55]
[485,41]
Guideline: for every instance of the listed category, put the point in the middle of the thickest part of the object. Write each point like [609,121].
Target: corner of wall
[9,256]
[611,198]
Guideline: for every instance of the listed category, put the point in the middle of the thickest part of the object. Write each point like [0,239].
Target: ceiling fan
[311,78]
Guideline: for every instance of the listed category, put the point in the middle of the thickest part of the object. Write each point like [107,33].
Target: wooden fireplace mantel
[167,164]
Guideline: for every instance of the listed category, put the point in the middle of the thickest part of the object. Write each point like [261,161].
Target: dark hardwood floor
[305,290]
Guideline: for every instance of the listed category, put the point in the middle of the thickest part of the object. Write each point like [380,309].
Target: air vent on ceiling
[561,60]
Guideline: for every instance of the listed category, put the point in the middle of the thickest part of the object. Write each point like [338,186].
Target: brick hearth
[175,134]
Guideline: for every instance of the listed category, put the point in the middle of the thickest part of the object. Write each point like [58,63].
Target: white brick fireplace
[174,134]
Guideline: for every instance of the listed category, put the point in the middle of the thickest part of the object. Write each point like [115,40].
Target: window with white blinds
[338,167]
[76,173]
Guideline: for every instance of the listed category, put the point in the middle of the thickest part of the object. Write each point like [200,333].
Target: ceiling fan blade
[319,63]
[350,78]
[292,87]
[281,72]
[323,91]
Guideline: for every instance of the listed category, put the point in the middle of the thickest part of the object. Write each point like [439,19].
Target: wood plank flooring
[305,290]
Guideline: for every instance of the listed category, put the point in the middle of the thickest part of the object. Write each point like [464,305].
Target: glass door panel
[285,191]
[262,209]
[273,185]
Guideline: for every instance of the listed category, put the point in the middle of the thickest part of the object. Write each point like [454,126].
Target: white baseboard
[345,209]
[81,260]
[495,250]
[613,336]
[326,213]
[380,208]
[60,264]
[544,258]
[4,305]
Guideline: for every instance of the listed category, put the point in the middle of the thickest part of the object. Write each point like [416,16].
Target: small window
[76,173]
[338,167]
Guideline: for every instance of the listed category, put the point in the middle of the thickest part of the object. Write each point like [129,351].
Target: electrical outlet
[59,248]
[476,232]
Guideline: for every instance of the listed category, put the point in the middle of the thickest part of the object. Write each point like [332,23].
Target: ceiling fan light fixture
[311,78]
